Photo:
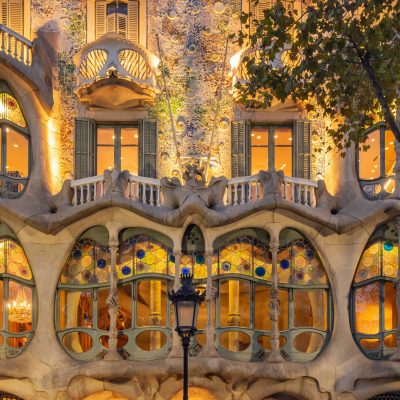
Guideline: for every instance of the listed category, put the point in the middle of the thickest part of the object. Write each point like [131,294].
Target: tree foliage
[338,56]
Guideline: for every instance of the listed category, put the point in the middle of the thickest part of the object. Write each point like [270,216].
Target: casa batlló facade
[126,159]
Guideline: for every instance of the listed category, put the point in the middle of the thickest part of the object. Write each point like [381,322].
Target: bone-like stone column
[176,350]
[113,304]
[274,310]
[209,350]
[396,355]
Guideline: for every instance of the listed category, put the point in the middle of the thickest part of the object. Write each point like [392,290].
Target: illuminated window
[145,272]
[242,270]
[117,146]
[271,147]
[117,16]
[375,165]
[374,308]
[17,296]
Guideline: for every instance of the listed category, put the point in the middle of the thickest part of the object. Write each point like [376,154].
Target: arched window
[144,274]
[117,16]
[17,295]
[242,271]
[375,165]
[14,146]
[373,299]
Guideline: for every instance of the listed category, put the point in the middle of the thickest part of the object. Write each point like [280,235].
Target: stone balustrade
[15,46]
[239,191]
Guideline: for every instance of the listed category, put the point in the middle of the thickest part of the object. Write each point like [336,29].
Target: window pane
[151,303]
[284,310]
[390,155]
[390,306]
[369,161]
[283,136]
[259,149]
[129,136]
[19,296]
[17,154]
[283,160]
[124,319]
[262,320]
[310,309]
[103,318]
[129,159]
[367,308]
[105,136]
[235,303]
[105,158]
[76,309]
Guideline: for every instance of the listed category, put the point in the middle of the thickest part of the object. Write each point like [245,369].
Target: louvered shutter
[85,148]
[101,14]
[148,148]
[4,12]
[261,6]
[111,22]
[122,24]
[15,16]
[240,148]
[302,133]
[133,20]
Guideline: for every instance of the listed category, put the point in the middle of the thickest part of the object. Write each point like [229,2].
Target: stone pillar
[396,355]
[234,313]
[155,312]
[209,350]
[176,350]
[274,310]
[113,305]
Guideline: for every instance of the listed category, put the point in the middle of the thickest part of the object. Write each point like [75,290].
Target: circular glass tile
[260,271]
[284,264]
[101,263]
[185,270]
[140,254]
[200,259]
[226,266]
[388,246]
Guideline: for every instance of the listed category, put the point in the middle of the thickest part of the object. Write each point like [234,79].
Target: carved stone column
[209,350]
[113,305]
[274,310]
[396,355]
[176,350]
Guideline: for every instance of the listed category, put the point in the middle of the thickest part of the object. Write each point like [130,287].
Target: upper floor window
[258,147]
[12,15]
[374,311]
[14,146]
[131,147]
[117,16]
[375,165]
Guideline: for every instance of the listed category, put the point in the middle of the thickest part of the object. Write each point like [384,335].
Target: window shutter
[261,6]
[85,148]
[302,151]
[111,25]
[4,12]
[122,24]
[133,20]
[101,13]
[15,11]
[148,147]
[240,148]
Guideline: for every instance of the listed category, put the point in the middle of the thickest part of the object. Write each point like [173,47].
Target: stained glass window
[10,110]
[144,267]
[17,297]
[373,298]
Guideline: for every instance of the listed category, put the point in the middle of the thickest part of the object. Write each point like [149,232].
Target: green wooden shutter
[85,148]
[148,148]
[133,20]
[240,148]
[302,156]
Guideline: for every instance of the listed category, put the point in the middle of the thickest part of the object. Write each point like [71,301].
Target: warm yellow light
[15,145]
[276,136]
[373,140]
[258,137]
[54,154]
[391,143]
[136,136]
[290,139]
[252,134]
[235,60]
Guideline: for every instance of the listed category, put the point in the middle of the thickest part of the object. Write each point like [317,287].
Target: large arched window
[17,296]
[144,274]
[375,165]
[14,146]
[242,271]
[373,300]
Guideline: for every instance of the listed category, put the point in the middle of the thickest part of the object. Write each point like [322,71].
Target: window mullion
[117,147]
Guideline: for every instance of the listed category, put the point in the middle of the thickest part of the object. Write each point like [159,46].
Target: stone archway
[104,395]
[195,393]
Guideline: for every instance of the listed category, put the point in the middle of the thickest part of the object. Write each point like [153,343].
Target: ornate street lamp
[186,303]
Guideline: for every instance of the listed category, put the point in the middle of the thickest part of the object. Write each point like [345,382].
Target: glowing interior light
[136,136]
[386,148]
[252,134]
[391,143]
[373,140]
[276,136]
[290,139]
[113,136]
[258,137]
[372,170]
[235,60]
[15,145]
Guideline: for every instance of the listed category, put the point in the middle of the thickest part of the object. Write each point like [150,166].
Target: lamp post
[186,301]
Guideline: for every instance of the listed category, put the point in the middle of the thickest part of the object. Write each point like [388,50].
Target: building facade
[126,158]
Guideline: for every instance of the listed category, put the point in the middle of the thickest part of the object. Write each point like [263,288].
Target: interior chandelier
[20,310]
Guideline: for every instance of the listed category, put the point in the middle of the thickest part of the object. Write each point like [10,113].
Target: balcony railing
[239,191]
[15,45]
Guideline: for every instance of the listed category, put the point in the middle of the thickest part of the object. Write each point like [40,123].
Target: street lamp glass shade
[186,312]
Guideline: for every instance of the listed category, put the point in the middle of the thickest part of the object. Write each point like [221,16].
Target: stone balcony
[115,62]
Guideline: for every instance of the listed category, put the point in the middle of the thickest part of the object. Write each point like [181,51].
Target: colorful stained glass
[195,263]
[299,264]
[88,263]
[13,260]
[10,110]
[143,254]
